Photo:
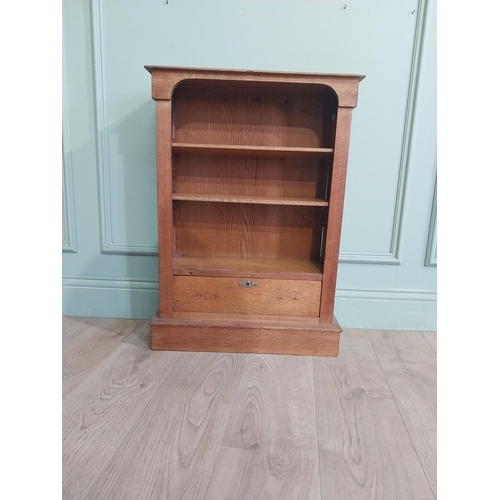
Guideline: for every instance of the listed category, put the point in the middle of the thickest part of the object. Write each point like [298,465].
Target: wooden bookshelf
[251,181]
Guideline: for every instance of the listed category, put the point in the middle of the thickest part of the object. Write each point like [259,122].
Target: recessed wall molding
[108,245]
[391,258]
[408,127]
[69,243]
[368,258]
[431,250]
[388,294]
[107,282]
[103,156]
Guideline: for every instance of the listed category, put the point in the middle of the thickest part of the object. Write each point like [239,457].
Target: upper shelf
[255,200]
[216,149]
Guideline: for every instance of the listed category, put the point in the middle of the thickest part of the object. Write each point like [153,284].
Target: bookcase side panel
[165,215]
[335,211]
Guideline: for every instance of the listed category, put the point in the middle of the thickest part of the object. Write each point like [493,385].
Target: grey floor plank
[257,475]
[274,410]
[88,342]
[103,409]
[141,424]
[409,364]
[71,326]
[365,452]
[353,333]
[171,450]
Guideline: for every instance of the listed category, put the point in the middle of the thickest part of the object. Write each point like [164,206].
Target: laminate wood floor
[143,425]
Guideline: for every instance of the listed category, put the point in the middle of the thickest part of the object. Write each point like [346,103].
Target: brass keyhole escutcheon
[247,284]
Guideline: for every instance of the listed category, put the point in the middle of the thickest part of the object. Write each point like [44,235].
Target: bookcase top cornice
[249,72]
[166,78]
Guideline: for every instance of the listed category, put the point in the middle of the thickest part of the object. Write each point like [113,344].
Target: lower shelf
[257,337]
[251,268]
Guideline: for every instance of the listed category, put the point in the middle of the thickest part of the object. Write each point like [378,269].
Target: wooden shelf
[256,200]
[216,149]
[254,268]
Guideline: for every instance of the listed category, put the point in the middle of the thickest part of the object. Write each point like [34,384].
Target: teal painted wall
[387,273]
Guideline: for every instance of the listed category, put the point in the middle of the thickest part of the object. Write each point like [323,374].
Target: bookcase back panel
[251,176]
[247,231]
[279,115]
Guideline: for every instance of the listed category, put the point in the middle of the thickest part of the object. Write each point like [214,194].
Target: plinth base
[258,337]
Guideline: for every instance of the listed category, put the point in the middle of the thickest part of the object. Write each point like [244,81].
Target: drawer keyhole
[247,284]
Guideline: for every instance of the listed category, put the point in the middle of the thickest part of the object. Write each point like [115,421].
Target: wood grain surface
[246,337]
[88,343]
[409,364]
[274,410]
[165,78]
[335,211]
[264,318]
[245,176]
[264,151]
[283,117]
[172,453]
[247,231]
[102,410]
[256,475]
[265,296]
[165,209]
[249,268]
[365,452]
[256,200]
[148,425]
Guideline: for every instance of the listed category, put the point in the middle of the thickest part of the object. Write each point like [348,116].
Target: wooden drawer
[241,296]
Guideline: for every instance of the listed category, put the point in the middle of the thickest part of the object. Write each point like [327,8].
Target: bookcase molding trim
[166,91]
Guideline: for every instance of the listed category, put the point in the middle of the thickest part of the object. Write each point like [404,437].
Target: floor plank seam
[317,427]
[428,341]
[401,415]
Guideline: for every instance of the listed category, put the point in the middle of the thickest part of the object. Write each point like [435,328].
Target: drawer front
[242,296]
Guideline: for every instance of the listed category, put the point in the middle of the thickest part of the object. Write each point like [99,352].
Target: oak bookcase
[251,179]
